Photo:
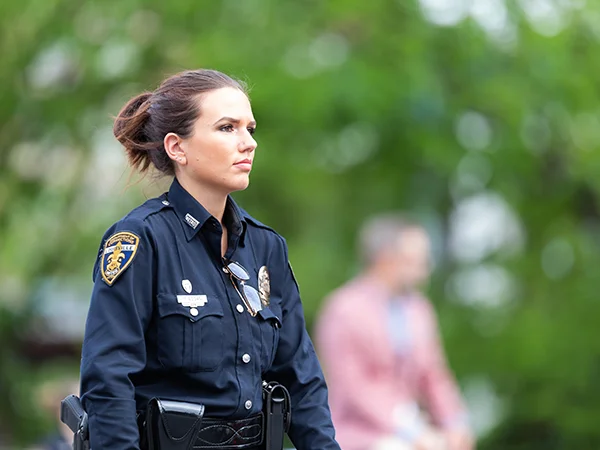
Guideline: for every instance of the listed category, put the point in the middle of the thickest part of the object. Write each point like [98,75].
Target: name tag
[193,301]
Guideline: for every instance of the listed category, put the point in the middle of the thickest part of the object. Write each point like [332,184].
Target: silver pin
[191,220]
[187,286]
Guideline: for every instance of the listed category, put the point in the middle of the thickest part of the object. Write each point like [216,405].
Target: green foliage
[362,107]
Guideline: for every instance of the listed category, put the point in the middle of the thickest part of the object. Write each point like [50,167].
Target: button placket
[244,328]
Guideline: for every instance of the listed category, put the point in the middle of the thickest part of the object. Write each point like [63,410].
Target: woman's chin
[240,185]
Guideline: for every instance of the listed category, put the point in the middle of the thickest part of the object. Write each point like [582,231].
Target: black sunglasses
[248,294]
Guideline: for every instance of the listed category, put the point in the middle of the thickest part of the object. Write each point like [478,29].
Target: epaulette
[255,222]
[149,207]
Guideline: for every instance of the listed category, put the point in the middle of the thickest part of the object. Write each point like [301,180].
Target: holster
[171,425]
[74,416]
[278,414]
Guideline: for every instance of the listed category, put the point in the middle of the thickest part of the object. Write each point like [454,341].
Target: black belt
[230,434]
[171,425]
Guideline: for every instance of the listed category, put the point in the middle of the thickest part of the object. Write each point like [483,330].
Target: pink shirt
[367,378]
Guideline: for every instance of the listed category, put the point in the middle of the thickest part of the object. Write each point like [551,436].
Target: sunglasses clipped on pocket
[239,276]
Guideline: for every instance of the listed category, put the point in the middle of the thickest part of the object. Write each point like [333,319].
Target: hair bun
[129,129]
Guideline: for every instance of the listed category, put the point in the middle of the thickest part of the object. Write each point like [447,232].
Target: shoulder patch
[117,254]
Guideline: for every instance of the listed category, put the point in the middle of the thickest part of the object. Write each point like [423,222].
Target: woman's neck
[214,202]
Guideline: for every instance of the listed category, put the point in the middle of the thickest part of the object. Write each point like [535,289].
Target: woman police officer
[194,299]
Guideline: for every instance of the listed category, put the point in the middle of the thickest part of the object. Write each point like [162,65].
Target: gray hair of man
[378,232]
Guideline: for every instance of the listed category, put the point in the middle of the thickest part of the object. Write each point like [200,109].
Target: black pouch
[172,425]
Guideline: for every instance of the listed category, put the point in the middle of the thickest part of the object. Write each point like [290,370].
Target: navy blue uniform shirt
[165,320]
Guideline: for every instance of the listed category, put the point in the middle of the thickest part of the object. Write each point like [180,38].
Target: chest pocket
[270,325]
[188,342]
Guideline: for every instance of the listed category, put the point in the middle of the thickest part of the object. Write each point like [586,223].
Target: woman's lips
[245,164]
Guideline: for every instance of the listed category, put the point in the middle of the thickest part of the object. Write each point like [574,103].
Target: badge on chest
[191,301]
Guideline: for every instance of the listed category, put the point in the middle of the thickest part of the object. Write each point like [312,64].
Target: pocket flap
[192,307]
[268,314]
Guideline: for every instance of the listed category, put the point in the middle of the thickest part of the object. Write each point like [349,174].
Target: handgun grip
[72,413]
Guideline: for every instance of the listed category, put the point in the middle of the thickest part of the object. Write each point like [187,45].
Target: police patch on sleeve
[118,253]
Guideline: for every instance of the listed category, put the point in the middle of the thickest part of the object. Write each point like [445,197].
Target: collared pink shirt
[368,379]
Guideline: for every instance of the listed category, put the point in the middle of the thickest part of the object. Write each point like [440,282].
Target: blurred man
[389,384]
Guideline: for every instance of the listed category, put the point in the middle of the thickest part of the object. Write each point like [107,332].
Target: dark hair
[173,107]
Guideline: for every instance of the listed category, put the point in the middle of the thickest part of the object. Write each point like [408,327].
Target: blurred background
[480,117]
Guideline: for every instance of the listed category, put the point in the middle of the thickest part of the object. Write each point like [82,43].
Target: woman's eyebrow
[235,121]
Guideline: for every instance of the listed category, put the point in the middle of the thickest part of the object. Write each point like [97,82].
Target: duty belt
[174,425]
[171,425]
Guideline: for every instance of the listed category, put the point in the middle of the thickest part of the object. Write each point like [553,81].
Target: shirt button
[240,308]
[248,404]
[246,358]
[194,312]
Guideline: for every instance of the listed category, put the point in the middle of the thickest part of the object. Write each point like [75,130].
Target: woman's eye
[226,128]
[251,130]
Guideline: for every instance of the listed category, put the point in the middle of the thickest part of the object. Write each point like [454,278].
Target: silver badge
[264,286]
[187,286]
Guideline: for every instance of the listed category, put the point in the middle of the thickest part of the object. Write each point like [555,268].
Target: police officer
[194,299]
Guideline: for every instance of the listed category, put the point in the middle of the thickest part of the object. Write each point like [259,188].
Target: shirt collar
[234,219]
[194,216]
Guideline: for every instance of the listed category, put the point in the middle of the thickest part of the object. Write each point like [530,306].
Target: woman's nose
[248,143]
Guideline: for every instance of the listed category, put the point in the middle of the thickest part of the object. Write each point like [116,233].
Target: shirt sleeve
[296,367]
[113,346]
[438,386]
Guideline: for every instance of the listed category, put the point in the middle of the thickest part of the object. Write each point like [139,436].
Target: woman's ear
[173,147]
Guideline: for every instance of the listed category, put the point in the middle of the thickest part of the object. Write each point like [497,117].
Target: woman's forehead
[225,102]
